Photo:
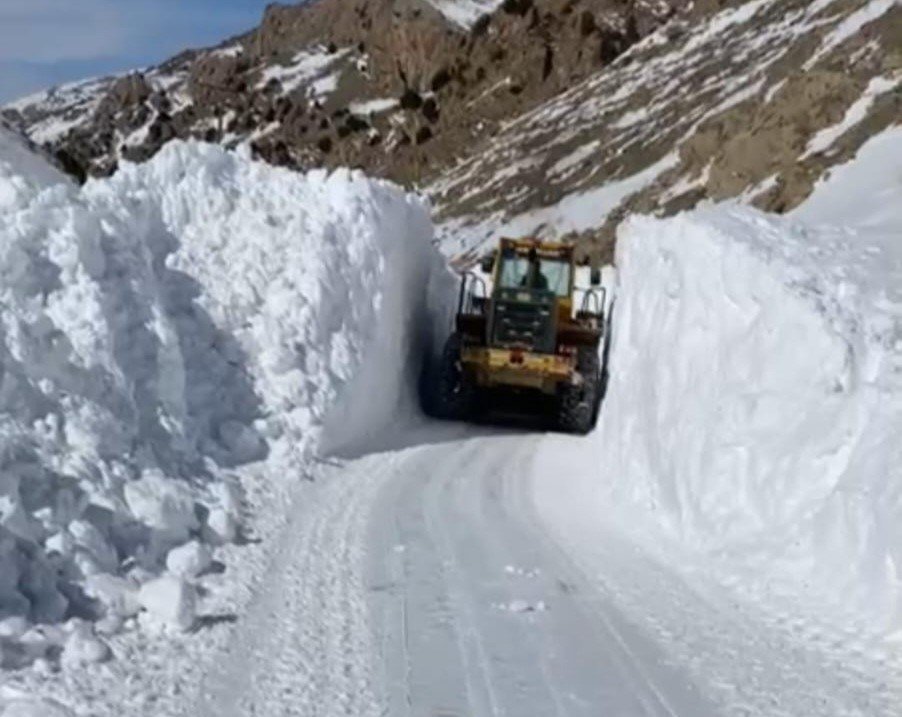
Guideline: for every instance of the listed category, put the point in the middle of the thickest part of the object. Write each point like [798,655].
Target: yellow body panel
[510,367]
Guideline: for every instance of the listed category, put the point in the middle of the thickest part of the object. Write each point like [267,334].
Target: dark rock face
[312,85]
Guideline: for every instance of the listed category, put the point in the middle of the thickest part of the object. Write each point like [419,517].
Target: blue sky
[47,42]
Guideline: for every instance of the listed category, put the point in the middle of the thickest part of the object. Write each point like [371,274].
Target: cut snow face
[754,405]
[182,318]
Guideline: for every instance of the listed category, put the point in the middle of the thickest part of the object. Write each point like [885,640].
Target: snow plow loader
[522,330]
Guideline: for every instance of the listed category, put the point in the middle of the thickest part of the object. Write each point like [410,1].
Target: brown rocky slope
[756,103]
[392,86]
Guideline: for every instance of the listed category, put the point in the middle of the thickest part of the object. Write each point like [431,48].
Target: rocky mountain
[548,116]
[757,103]
[397,87]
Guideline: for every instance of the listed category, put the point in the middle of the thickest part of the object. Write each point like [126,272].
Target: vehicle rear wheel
[454,392]
[578,403]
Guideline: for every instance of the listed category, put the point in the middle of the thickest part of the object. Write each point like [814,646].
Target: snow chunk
[189,560]
[242,442]
[87,537]
[522,606]
[170,603]
[83,648]
[221,527]
[119,596]
[163,504]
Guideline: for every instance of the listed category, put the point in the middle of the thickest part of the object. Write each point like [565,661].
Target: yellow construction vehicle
[523,328]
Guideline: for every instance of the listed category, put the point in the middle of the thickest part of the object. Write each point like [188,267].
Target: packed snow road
[434,579]
[474,610]
[479,613]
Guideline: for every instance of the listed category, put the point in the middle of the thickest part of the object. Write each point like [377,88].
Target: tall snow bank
[313,287]
[186,316]
[755,404]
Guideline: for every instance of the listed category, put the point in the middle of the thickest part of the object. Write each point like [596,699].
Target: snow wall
[163,327]
[754,412]
[23,172]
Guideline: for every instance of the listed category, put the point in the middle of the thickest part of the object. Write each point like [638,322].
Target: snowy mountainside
[163,332]
[54,112]
[757,101]
[396,87]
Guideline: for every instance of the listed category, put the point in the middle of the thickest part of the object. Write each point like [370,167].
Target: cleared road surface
[460,576]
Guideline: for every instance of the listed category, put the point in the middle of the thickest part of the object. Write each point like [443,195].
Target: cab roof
[545,249]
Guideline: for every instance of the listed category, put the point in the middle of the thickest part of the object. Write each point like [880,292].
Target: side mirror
[487,263]
[595,277]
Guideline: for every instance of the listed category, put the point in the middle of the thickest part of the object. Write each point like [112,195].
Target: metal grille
[522,324]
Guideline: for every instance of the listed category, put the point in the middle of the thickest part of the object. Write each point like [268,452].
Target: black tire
[578,404]
[453,394]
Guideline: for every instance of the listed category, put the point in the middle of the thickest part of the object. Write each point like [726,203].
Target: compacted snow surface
[219,498]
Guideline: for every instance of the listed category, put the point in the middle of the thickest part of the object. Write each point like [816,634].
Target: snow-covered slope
[159,331]
[863,193]
[756,102]
[62,108]
[754,407]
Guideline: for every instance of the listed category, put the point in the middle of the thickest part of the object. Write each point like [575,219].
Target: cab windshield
[517,272]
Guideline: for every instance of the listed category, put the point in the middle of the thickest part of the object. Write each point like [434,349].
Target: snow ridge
[753,411]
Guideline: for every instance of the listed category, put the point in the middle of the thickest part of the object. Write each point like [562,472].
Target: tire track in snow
[521,645]
[744,662]
[433,663]
[304,648]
